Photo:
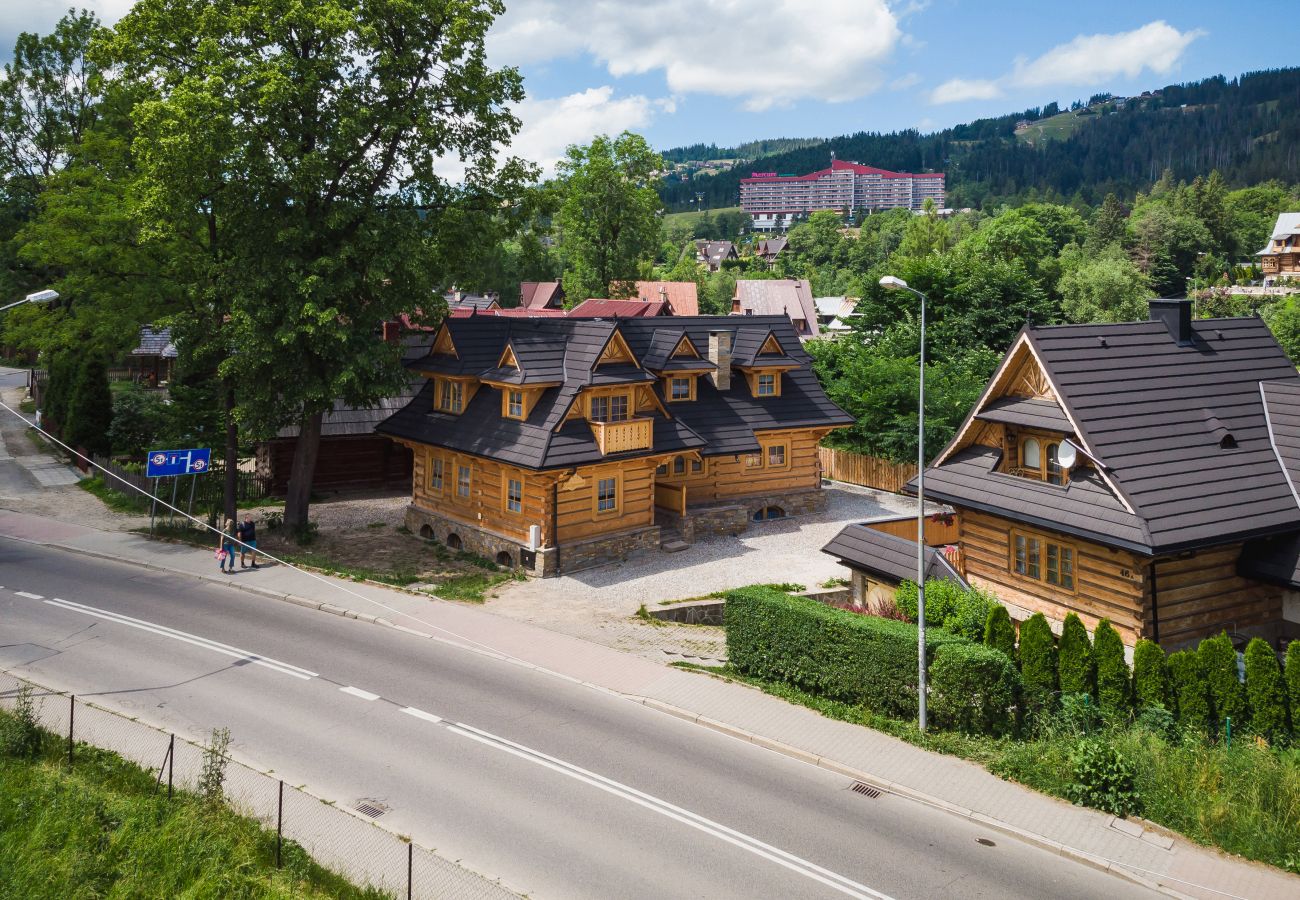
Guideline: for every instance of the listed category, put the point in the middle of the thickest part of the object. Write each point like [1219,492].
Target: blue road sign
[178,462]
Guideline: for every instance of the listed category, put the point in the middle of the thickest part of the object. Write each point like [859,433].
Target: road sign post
[175,463]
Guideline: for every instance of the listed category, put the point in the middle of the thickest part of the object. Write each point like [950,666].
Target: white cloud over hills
[1087,61]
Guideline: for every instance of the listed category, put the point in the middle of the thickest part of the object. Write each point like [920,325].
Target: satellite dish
[1066,455]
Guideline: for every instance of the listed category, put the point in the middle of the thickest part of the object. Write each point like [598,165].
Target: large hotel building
[774,200]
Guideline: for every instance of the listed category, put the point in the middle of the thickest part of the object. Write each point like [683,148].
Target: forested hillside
[1248,128]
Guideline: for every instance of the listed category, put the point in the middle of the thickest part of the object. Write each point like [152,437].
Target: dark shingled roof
[863,547]
[1028,412]
[1179,426]
[155,342]
[715,423]
[1272,559]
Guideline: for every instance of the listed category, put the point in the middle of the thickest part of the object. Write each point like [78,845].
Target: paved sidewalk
[1178,866]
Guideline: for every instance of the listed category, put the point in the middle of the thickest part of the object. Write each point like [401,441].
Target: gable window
[767,384]
[514,495]
[1040,458]
[435,474]
[1043,560]
[462,481]
[515,404]
[681,388]
[1053,464]
[607,494]
[1031,454]
[452,396]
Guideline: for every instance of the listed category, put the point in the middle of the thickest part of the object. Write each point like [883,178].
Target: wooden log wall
[485,507]
[577,516]
[729,476]
[1201,594]
[867,471]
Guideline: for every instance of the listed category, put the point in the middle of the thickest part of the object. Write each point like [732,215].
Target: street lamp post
[892,283]
[38,297]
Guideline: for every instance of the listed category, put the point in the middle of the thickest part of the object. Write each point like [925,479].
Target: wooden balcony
[620,437]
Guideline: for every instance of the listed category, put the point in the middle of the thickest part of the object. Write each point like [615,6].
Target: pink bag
[221,555]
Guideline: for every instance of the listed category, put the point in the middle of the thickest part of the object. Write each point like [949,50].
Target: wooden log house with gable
[1178,517]
[556,444]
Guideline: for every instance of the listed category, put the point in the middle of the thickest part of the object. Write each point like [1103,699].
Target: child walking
[226,546]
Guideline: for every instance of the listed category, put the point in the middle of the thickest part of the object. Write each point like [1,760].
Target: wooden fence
[868,471]
[208,488]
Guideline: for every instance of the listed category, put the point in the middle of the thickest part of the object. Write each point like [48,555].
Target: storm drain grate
[865,789]
[372,810]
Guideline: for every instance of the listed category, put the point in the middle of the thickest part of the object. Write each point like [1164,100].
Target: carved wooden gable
[442,345]
[685,349]
[616,351]
[1026,379]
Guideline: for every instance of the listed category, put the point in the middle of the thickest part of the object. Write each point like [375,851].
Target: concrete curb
[830,765]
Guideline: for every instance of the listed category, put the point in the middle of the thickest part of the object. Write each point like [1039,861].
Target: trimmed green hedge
[974,689]
[949,606]
[834,653]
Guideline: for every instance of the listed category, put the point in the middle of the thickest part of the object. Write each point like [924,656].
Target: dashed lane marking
[29,596]
[357,692]
[421,714]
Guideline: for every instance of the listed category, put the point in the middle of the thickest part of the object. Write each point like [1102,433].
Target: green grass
[27,406]
[118,501]
[99,830]
[1054,128]
[1244,799]
[693,216]
[471,588]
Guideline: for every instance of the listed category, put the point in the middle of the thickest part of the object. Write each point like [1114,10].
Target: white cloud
[1089,59]
[550,126]
[911,79]
[767,56]
[958,90]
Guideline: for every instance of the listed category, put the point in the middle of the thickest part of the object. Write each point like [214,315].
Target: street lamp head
[42,297]
[893,283]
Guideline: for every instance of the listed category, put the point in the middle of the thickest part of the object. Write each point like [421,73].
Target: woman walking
[226,546]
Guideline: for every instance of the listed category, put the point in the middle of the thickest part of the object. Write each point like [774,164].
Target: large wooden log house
[556,444]
[1178,517]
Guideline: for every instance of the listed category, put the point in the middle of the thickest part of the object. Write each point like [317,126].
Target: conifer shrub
[1227,694]
[1266,692]
[1190,689]
[1150,676]
[90,408]
[974,689]
[999,633]
[1038,661]
[833,653]
[1114,689]
[1293,683]
[1074,663]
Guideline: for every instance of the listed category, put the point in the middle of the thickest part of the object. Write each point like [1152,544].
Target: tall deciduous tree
[608,214]
[300,144]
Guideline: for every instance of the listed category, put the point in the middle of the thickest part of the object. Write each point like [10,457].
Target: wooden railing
[617,437]
[868,471]
[671,497]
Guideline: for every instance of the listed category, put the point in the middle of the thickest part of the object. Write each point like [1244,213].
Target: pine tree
[1113,686]
[1107,225]
[1075,663]
[1150,675]
[1266,690]
[90,408]
[1038,660]
[1191,692]
[1227,694]
[999,633]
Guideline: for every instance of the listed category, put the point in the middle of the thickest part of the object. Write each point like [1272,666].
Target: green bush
[999,633]
[58,391]
[1103,779]
[1293,682]
[1150,676]
[1266,692]
[1190,689]
[974,689]
[138,418]
[1038,661]
[830,652]
[949,606]
[1113,687]
[90,408]
[1227,694]
[1074,658]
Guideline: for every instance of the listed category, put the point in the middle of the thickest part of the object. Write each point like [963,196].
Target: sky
[726,71]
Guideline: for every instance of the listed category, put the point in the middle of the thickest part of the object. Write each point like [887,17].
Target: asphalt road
[560,790]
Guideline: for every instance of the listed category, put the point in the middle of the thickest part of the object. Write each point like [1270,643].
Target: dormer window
[610,408]
[768,384]
[1040,460]
[515,404]
[451,396]
[681,387]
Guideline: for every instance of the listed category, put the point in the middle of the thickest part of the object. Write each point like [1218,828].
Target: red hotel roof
[841,165]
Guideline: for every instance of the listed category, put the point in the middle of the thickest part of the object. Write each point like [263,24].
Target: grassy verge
[1244,799]
[690,217]
[471,588]
[27,406]
[118,501]
[99,830]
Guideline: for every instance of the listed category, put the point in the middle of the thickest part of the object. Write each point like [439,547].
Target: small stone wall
[598,551]
[432,526]
[735,516]
[701,612]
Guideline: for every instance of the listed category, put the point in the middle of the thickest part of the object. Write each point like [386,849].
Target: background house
[714,253]
[154,357]
[787,297]
[1280,257]
[541,295]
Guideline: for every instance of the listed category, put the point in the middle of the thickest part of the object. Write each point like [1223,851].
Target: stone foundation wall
[736,515]
[578,555]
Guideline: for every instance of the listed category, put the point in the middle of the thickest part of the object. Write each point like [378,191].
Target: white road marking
[664,808]
[283,668]
[421,714]
[29,596]
[357,692]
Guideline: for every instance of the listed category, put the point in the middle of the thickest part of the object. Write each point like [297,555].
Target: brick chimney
[1176,315]
[392,332]
[720,356]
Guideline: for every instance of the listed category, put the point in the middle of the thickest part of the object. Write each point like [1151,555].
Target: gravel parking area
[600,604]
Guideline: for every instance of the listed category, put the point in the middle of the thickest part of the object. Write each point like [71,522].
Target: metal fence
[339,839]
[207,488]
